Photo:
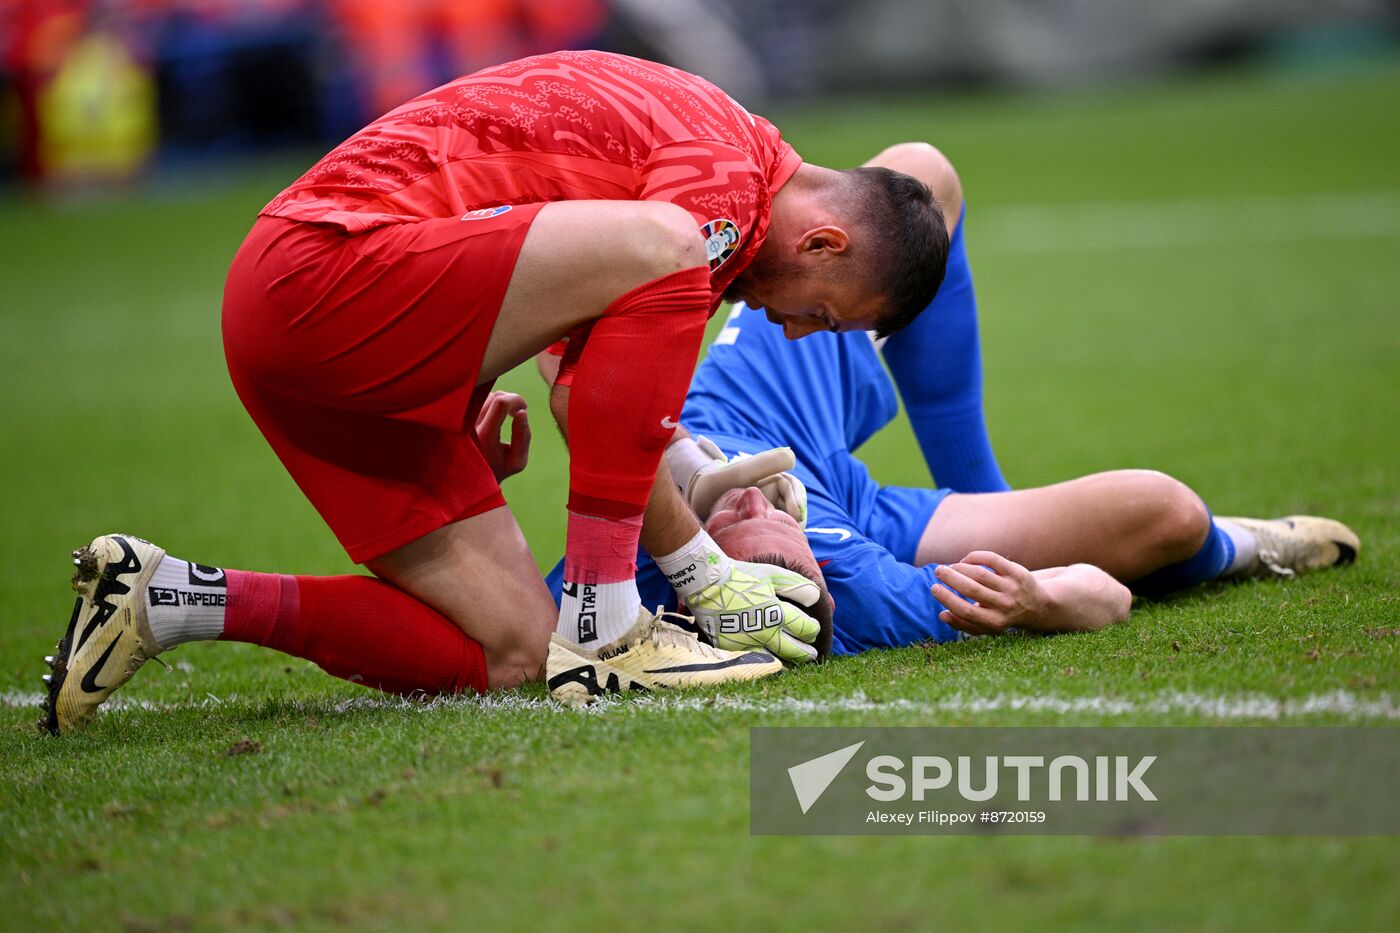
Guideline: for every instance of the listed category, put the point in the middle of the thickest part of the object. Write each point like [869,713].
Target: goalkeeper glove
[702,474]
[743,611]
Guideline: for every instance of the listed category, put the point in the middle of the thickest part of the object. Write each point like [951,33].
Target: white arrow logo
[810,779]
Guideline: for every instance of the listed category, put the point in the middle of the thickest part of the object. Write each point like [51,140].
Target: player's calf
[478,573]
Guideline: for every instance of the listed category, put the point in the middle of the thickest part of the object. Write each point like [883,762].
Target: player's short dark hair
[900,215]
[822,611]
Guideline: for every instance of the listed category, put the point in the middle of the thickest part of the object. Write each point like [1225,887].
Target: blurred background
[96,92]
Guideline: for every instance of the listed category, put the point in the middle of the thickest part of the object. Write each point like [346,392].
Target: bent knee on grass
[518,663]
[1172,519]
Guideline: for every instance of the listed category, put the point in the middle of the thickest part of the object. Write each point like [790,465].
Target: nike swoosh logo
[740,661]
[90,683]
[668,424]
[110,585]
[841,532]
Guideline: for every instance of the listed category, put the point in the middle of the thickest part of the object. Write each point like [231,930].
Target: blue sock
[1212,560]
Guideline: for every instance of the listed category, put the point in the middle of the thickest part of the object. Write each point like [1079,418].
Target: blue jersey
[823,395]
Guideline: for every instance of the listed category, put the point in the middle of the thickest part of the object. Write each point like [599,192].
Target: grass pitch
[1198,277]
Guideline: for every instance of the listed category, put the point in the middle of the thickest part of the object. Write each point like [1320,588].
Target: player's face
[803,305]
[810,287]
[746,526]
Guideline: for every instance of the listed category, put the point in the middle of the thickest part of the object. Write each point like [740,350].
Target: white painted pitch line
[1028,229]
[1226,707]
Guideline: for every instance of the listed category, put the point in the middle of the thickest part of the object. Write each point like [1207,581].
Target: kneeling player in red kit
[579,195]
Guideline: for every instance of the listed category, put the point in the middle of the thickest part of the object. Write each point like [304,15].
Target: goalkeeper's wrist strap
[695,565]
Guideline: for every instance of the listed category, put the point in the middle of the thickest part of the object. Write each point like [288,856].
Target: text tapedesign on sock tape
[165,596]
[587,597]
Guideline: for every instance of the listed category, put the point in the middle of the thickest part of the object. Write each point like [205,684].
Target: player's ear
[827,238]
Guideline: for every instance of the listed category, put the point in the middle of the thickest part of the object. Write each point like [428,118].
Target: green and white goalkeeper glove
[744,612]
[702,474]
[736,603]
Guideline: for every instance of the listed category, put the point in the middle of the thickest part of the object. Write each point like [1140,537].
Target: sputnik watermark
[1113,778]
[1159,781]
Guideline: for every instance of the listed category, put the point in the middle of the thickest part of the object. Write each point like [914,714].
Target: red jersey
[563,126]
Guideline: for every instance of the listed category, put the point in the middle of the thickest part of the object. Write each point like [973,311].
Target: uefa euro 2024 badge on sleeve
[721,240]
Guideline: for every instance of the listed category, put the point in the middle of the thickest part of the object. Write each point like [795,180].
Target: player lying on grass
[894,559]
[375,301]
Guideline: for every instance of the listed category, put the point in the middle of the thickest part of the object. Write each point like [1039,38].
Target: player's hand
[504,459]
[702,474]
[744,611]
[985,594]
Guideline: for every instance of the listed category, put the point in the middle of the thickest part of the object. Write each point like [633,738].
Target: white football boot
[1297,544]
[654,654]
[108,636]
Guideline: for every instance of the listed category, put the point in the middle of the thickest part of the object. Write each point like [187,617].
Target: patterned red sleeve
[723,190]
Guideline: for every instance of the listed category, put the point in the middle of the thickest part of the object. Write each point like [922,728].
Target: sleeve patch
[721,241]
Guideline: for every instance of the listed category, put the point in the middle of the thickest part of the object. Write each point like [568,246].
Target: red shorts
[357,356]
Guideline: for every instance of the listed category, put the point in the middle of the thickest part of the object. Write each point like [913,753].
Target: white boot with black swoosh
[660,652]
[1294,544]
[108,636]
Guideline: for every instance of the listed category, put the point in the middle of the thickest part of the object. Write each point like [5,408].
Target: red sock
[601,550]
[630,384]
[356,628]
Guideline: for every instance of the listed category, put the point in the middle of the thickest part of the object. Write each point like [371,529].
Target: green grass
[1259,362]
